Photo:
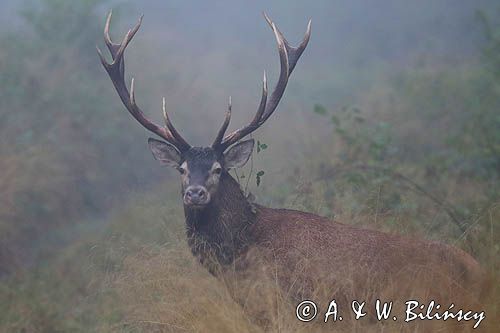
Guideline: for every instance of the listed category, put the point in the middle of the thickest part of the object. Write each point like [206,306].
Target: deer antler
[116,72]
[288,59]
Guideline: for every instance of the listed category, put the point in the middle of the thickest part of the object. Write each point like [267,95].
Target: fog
[410,88]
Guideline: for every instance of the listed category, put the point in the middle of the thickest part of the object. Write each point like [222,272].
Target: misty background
[390,120]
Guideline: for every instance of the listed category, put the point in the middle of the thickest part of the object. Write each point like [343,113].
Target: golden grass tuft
[164,289]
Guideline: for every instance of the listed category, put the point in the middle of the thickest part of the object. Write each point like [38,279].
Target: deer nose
[196,195]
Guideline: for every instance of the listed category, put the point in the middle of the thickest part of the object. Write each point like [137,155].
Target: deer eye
[218,170]
[181,170]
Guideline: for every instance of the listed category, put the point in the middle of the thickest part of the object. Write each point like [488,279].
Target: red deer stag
[228,233]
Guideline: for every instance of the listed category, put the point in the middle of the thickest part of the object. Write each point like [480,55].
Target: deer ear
[164,152]
[238,155]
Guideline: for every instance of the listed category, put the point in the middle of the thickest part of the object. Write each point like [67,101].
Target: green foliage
[458,141]
[261,146]
[258,176]
[491,50]
[481,130]
[365,157]
[60,140]
[425,161]
[320,109]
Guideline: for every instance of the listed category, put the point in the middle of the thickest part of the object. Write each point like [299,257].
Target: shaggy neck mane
[218,230]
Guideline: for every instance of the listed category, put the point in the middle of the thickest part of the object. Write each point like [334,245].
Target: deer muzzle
[196,195]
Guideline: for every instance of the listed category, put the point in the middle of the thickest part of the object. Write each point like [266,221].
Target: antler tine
[112,47]
[263,101]
[116,72]
[242,132]
[279,89]
[225,124]
[288,59]
[171,127]
[294,53]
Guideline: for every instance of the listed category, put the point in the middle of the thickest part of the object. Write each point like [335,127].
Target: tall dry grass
[165,290]
[162,288]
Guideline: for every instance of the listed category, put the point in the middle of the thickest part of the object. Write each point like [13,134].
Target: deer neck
[219,231]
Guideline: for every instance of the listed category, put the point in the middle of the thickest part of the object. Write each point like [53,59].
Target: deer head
[202,167]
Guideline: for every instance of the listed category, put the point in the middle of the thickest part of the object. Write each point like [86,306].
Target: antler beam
[116,72]
[288,59]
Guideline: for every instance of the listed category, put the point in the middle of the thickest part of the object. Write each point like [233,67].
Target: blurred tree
[59,139]
[481,131]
